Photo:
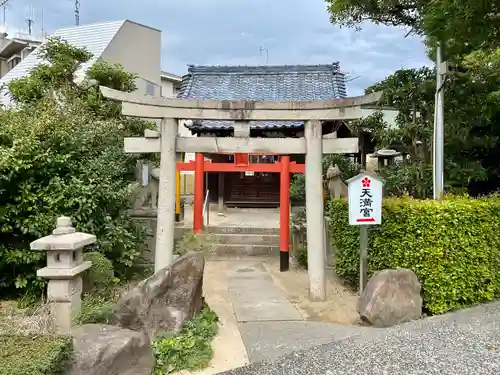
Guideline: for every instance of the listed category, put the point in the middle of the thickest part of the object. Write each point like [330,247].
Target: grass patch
[191,349]
[301,257]
[34,355]
[95,309]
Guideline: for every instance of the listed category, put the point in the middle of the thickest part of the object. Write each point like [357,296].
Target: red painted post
[198,192]
[285,213]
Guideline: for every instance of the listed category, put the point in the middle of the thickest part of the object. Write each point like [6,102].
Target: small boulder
[164,301]
[391,297]
[109,350]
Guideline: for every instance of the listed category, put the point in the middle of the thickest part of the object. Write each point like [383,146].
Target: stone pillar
[164,249]
[220,183]
[64,268]
[314,211]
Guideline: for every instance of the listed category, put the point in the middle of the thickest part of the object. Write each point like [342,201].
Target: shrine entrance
[273,166]
[167,142]
[249,188]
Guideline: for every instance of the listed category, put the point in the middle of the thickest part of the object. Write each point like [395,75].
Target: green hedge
[38,355]
[453,246]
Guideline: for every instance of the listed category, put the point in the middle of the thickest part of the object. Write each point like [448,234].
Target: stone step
[246,250]
[241,230]
[246,239]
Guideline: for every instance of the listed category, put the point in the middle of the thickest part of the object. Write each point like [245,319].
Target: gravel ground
[460,343]
[340,304]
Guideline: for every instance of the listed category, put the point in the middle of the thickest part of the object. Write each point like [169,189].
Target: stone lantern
[64,271]
[385,157]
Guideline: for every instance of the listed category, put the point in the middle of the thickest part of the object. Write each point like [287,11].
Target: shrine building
[287,82]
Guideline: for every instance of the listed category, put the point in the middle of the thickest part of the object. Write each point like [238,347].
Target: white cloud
[224,32]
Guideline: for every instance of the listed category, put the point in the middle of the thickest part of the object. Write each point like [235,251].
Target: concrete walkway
[262,328]
[238,217]
[229,350]
[257,321]
[254,296]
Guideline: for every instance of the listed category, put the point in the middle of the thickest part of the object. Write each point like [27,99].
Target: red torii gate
[241,164]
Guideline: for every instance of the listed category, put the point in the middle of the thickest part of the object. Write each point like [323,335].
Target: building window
[13,62]
[26,52]
[150,89]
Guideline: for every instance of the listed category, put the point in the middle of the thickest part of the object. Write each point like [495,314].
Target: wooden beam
[263,145]
[231,167]
[139,145]
[297,114]
[134,97]
[144,106]
[241,129]
[242,145]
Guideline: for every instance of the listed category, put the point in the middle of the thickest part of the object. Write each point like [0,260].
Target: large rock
[109,350]
[391,297]
[164,301]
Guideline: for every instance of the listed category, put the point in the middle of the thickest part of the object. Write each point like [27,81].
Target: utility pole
[438,138]
[77,12]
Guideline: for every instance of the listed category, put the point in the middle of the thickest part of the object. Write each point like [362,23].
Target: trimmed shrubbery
[38,355]
[453,246]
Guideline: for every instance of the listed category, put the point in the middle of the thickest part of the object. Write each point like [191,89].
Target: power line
[350,79]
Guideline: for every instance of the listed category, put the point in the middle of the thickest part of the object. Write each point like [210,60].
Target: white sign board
[365,200]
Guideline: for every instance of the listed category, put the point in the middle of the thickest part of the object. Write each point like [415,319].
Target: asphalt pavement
[460,343]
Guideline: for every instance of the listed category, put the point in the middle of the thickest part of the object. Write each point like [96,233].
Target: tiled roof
[287,82]
[95,38]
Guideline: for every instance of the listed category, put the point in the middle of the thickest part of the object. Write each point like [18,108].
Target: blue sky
[229,32]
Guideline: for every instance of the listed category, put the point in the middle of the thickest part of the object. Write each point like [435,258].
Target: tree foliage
[61,153]
[469,34]
[348,168]
[352,13]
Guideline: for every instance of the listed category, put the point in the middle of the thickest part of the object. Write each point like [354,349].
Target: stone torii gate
[313,145]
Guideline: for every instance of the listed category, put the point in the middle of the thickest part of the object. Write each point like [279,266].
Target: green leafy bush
[347,166]
[453,246]
[34,355]
[299,237]
[191,349]
[61,153]
[101,275]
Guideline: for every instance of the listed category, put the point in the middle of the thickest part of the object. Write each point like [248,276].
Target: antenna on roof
[43,36]
[77,12]
[262,50]
[4,4]
[30,19]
